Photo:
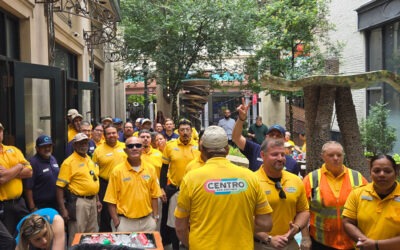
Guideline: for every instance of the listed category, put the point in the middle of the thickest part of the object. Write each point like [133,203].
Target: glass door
[84,96]
[39,107]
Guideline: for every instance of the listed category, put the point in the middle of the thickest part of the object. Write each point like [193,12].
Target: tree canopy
[180,34]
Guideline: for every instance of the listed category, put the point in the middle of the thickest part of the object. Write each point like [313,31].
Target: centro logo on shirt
[225,186]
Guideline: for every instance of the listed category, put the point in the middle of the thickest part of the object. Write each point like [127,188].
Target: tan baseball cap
[72,112]
[214,137]
[76,115]
[80,137]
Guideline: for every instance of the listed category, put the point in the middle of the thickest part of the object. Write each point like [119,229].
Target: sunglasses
[282,194]
[91,172]
[134,145]
[36,226]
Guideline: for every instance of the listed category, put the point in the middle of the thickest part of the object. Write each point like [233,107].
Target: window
[9,38]
[67,61]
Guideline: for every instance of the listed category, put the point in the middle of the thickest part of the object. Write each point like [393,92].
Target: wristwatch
[157,217]
[268,240]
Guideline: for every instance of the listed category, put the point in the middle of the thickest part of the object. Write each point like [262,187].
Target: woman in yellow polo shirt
[372,212]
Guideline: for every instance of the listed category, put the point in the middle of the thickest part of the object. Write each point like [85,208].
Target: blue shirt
[121,136]
[227,125]
[252,152]
[43,181]
[47,213]
[173,136]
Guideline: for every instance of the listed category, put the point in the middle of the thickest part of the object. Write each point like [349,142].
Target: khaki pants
[292,245]
[135,225]
[171,210]
[86,218]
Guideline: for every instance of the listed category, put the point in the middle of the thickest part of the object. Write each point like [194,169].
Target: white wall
[344,16]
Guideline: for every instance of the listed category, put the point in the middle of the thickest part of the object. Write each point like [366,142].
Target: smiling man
[133,191]
[286,195]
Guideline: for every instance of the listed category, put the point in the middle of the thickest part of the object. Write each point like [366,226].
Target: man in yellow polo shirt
[286,195]
[79,175]
[150,155]
[177,154]
[133,192]
[107,156]
[223,202]
[13,168]
[75,127]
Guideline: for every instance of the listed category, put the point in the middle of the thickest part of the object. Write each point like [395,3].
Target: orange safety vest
[326,210]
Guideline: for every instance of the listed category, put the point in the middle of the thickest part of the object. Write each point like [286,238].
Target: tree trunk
[290,104]
[319,102]
[351,138]
[174,105]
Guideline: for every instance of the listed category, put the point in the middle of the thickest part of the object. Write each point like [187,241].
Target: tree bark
[351,138]
[290,104]
[318,109]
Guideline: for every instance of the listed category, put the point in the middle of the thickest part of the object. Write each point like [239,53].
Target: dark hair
[96,124]
[109,126]
[184,121]
[383,156]
[201,133]
[144,131]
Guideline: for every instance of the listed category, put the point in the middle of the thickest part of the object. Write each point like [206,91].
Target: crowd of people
[146,175]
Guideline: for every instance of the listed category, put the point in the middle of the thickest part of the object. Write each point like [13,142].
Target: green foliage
[177,34]
[376,135]
[235,152]
[139,98]
[289,25]
[396,158]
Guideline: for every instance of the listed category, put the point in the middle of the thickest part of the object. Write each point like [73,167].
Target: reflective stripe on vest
[316,205]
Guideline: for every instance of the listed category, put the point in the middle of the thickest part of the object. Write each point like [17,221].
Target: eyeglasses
[34,228]
[129,127]
[132,145]
[99,130]
[282,194]
[91,172]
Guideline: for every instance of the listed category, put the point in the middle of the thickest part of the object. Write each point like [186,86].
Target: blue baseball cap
[43,140]
[116,120]
[277,127]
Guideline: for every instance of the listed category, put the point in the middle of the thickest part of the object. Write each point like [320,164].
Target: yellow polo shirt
[107,157]
[76,172]
[178,155]
[286,209]
[194,164]
[377,219]
[9,157]
[132,191]
[71,132]
[154,158]
[101,142]
[221,200]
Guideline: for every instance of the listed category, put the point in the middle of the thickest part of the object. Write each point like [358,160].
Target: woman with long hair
[43,229]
